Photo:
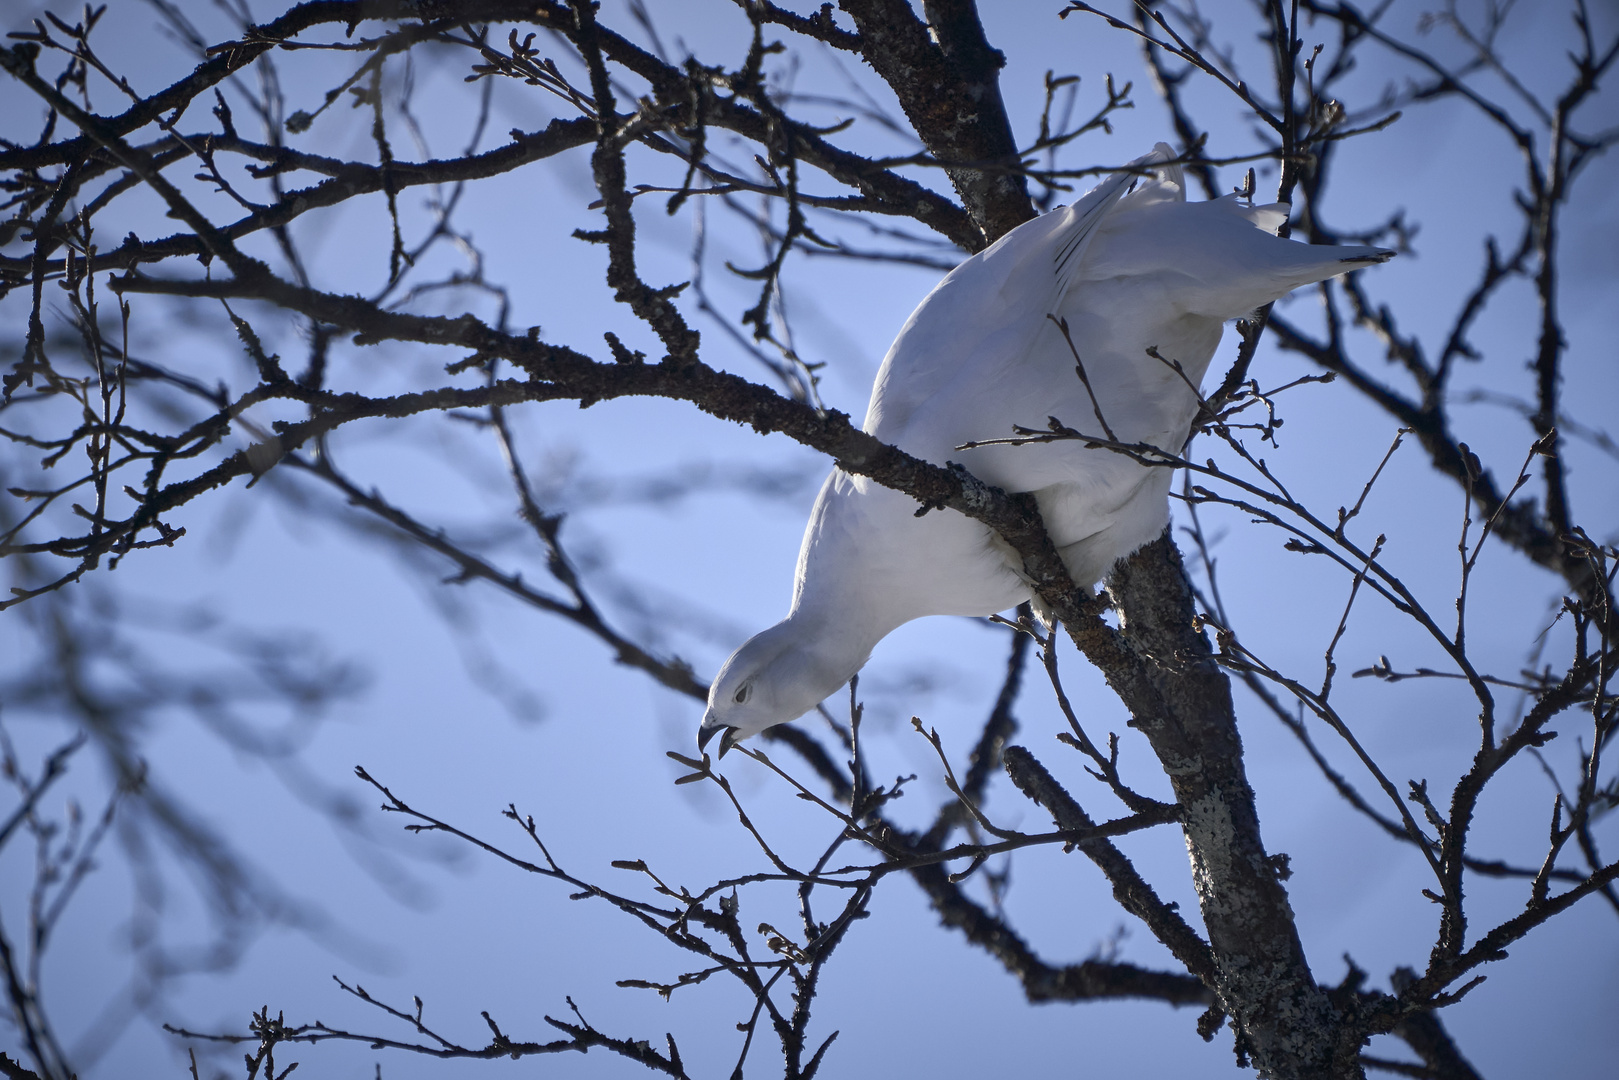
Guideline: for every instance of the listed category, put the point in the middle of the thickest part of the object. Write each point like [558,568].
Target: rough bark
[1284,1021]
[947,78]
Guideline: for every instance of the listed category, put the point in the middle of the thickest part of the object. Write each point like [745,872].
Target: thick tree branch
[950,91]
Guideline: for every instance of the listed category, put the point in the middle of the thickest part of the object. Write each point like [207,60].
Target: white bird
[1129,266]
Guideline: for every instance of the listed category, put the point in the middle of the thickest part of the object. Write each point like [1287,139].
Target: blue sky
[470,701]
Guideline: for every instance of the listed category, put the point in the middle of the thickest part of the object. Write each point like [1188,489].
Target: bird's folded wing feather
[1001,297]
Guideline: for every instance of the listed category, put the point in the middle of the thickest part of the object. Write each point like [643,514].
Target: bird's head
[776,676]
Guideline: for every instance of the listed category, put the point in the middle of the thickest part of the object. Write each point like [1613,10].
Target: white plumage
[1129,266]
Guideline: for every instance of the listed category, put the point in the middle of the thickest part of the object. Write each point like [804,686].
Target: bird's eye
[742,692]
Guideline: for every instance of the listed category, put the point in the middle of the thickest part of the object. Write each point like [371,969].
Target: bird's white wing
[1097,203]
[982,318]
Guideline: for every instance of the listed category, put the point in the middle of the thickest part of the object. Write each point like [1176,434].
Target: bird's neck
[832,642]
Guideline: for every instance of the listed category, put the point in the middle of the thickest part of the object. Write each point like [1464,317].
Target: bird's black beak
[728,737]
